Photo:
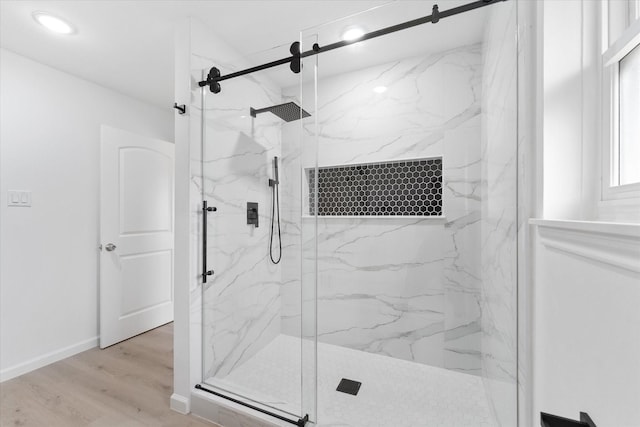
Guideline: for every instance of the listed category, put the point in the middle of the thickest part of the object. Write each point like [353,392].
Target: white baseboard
[180,404]
[47,359]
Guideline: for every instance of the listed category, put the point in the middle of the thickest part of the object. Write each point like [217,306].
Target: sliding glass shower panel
[414,196]
[263,259]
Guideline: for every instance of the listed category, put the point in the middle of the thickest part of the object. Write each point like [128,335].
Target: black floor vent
[349,386]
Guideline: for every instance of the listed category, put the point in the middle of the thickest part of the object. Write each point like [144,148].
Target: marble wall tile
[404,287]
[499,213]
[376,295]
[426,97]
[240,304]
[292,227]
[461,246]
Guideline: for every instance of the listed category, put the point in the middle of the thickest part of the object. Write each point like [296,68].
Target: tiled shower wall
[499,213]
[241,310]
[407,287]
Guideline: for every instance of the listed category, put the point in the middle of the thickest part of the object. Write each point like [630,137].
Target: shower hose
[275,200]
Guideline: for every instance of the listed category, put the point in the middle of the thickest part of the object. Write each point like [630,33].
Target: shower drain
[349,386]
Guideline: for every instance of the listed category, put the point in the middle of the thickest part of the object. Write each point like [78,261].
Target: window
[621,72]
[629,119]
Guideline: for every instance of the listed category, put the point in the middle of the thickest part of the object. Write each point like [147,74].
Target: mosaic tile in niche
[409,187]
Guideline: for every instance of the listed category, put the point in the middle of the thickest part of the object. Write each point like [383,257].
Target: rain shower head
[288,112]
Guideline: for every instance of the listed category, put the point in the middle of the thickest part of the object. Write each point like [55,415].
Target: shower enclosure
[361,223]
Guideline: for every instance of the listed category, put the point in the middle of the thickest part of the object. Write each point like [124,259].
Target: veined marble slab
[404,287]
[241,303]
[499,213]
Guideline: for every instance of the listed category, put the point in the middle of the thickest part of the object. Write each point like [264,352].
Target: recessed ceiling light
[53,23]
[380,89]
[353,33]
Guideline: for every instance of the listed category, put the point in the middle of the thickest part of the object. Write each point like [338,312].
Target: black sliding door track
[300,422]
[214,78]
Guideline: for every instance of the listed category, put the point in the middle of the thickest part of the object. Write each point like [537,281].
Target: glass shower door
[252,310]
[364,242]
[416,212]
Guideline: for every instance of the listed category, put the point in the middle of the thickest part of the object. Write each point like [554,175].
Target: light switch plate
[19,198]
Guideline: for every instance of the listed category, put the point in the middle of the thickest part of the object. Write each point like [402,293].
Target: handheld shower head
[275,210]
[275,180]
[275,169]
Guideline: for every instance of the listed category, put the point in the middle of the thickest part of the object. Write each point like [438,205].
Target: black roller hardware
[214,78]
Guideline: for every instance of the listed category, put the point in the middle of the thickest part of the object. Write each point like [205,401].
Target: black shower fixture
[275,180]
[214,77]
[274,183]
[182,109]
[289,111]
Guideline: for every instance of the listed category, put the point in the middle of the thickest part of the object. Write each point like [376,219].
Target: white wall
[585,321]
[571,115]
[587,339]
[184,335]
[50,141]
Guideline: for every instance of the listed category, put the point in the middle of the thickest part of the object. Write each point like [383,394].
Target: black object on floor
[548,420]
[349,386]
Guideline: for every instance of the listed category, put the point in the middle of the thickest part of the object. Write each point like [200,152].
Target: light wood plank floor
[126,385]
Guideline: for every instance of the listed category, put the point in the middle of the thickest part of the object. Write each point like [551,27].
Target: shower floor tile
[393,393]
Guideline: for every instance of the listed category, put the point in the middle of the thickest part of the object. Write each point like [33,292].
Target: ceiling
[128,45]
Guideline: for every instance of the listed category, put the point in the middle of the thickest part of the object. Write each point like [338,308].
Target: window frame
[612,53]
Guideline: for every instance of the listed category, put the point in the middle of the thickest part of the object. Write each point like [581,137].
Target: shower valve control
[252,213]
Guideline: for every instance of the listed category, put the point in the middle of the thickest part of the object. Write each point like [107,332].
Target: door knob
[110,247]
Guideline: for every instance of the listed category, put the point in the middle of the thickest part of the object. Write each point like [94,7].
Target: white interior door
[136,232]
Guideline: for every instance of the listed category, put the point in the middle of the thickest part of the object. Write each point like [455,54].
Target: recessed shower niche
[398,213]
[393,188]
